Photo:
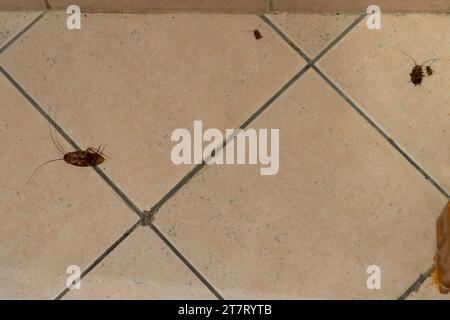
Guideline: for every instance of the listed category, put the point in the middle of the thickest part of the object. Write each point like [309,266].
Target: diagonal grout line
[180,255]
[422,277]
[99,259]
[19,34]
[124,197]
[382,133]
[416,285]
[121,194]
[200,166]
[340,37]
[349,101]
[300,51]
[285,38]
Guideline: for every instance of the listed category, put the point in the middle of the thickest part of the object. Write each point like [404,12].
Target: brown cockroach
[256,32]
[82,158]
[417,71]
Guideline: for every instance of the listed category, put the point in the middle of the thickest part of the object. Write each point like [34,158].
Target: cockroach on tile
[256,33]
[417,71]
[82,158]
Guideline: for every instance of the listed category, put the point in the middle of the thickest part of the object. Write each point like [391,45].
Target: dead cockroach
[256,32]
[82,158]
[429,71]
[417,71]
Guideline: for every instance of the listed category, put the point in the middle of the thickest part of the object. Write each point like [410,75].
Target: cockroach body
[84,158]
[417,73]
[257,34]
[80,158]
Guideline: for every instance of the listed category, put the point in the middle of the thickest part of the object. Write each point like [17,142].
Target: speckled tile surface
[141,268]
[54,221]
[342,200]
[377,79]
[12,22]
[135,78]
[312,32]
[350,192]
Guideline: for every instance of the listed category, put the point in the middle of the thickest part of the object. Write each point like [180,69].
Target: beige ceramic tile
[236,6]
[12,22]
[312,32]
[342,200]
[130,80]
[428,291]
[370,66]
[65,216]
[142,267]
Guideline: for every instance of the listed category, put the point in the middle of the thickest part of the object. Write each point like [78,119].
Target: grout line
[340,37]
[349,101]
[200,166]
[21,32]
[270,5]
[99,259]
[277,94]
[285,38]
[121,194]
[382,133]
[124,197]
[417,284]
[186,262]
[300,51]
[47,5]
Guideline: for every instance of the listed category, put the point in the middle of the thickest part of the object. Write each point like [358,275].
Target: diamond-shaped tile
[312,32]
[65,216]
[130,80]
[343,200]
[142,267]
[370,66]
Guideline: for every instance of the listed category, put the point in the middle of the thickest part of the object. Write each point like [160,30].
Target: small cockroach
[429,71]
[82,158]
[417,71]
[256,33]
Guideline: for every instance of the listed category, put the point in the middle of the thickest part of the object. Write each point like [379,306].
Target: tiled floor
[364,155]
